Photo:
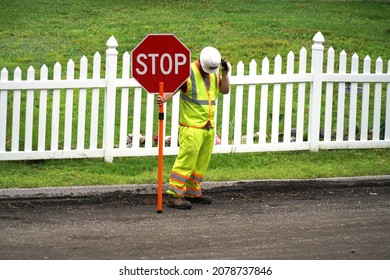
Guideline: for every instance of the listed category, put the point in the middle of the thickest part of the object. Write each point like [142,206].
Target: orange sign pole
[160,150]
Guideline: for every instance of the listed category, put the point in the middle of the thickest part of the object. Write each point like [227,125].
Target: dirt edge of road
[146,194]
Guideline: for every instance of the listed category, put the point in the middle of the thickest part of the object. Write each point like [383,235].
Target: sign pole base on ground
[160,150]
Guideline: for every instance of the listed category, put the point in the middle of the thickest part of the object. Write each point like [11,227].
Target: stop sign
[160,58]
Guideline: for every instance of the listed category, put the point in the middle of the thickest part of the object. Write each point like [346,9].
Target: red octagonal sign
[161,58]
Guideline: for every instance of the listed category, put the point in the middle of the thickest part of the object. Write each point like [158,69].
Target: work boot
[178,203]
[203,199]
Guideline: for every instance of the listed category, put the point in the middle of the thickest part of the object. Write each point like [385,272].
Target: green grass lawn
[38,32]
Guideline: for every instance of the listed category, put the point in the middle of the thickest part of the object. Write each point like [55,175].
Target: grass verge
[223,167]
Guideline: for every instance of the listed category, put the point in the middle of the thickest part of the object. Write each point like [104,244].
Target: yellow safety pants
[196,146]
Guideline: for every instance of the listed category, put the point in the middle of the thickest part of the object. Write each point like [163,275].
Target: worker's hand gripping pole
[160,149]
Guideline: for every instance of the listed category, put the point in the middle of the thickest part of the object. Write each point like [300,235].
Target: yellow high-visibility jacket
[197,104]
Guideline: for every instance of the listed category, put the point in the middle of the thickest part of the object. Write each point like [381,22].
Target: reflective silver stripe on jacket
[195,93]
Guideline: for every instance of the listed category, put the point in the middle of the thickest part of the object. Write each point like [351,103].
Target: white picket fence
[297,109]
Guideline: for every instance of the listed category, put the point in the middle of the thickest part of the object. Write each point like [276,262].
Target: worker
[198,97]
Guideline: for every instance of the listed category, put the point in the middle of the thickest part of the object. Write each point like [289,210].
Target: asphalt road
[291,222]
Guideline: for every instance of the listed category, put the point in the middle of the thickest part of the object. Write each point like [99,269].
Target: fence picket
[175,121]
[16,113]
[329,98]
[69,108]
[124,111]
[341,98]
[353,100]
[149,120]
[251,105]
[264,103]
[82,105]
[276,102]
[55,109]
[238,107]
[164,123]
[377,102]
[42,111]
[301,97]
[225,125]
[136,118]
[288,100]
[365,101]
[95,102]
[29,112]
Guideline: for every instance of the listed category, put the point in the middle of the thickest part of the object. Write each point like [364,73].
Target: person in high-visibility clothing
[198,97]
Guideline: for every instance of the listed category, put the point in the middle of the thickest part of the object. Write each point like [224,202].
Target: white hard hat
[210,58]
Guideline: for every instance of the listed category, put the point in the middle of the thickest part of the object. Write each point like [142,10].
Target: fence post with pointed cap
[316,91]
[3,110]
[109,99]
